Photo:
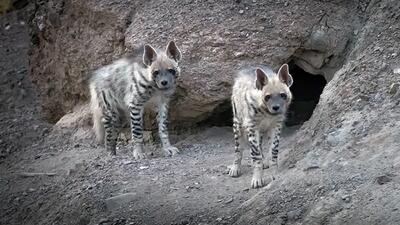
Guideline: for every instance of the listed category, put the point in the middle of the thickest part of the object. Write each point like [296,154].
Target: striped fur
[260,99]
[120,91]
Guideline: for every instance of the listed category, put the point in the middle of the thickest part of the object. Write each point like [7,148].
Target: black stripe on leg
[137,134]
[255,153]
[136,123]
[236,128]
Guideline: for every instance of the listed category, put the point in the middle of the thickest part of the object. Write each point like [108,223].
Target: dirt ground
[49,176]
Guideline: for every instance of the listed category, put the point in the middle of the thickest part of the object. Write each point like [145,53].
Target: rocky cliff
[71,38]
[342,165]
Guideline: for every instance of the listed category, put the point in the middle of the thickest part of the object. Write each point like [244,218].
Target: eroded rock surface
[71,38]
[352,140]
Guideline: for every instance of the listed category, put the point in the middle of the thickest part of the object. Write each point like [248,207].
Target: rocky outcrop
[71,38]
[342,164]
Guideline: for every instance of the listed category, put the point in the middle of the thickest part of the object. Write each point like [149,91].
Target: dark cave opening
[306,90]
[221,116]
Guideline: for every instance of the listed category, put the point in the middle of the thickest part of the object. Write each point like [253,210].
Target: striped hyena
[260,99]
[121,90]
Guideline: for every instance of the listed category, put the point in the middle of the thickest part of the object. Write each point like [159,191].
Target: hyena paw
[171,150]
[234,171]
[274,171]
[257,182]
[111,150]
[139,155]
[265,164]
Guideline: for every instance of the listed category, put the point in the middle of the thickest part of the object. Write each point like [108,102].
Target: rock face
[71,38]
[347,153]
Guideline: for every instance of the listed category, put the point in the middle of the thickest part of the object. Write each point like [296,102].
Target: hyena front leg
[136,115]
[162,118]
[253,138]
[275,135]
[235,169]
[264,159]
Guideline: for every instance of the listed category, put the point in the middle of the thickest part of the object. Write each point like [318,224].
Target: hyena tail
[97,115]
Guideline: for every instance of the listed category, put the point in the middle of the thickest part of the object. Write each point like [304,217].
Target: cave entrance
[221,116]
[306,90]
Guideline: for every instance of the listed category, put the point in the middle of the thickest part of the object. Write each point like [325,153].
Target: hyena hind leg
[111,122]
[235,169]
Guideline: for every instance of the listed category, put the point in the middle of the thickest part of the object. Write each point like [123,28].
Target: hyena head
[276,95]
[163,66]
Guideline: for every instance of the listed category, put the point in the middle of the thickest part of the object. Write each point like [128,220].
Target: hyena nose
[275,108]
[164,82]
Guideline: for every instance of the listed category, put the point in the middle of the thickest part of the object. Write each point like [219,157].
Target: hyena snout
[276,103]
[276,108]
[165,82]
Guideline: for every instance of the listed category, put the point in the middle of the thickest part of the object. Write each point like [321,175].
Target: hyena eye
[156,72]
[172,71]
[267,97]
[283,95]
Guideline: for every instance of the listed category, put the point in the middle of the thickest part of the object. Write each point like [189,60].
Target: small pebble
[346,198]
[127,162]
[229,200]
[394,88]
[238,54]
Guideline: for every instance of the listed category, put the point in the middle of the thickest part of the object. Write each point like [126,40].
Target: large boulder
[71,38]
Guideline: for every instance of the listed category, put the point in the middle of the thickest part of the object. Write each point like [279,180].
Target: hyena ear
[173,51]
[261,79]
[285,76]
[149,55]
